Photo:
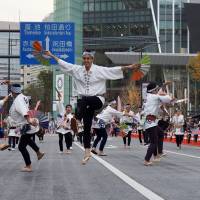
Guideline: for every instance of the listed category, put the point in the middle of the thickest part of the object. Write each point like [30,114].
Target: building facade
[69,11]
[132,25]
[9,51]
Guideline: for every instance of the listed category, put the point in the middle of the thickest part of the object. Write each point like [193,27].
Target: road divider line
[182,154]
[147,193]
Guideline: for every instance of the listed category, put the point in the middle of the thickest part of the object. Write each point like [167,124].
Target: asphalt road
[119,176]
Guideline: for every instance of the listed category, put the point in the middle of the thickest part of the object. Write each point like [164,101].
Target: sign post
[57,37]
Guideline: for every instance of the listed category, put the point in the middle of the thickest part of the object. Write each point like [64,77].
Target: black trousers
[68,140]
[196,137]
[140,132]
[12,141]
[160,140]
[85,110]
[153,137]
[80,137]
[101,135]
[179,139]
[129,138]
[25,140]
[146,137]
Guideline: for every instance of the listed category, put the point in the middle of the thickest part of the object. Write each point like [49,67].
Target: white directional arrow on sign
[47,43]
[30,56]
[64,56]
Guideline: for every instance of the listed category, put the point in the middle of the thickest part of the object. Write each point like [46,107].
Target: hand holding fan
[43,119]
[145,65]
[39,53]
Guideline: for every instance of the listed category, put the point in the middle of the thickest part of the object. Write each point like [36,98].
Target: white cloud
[25,10]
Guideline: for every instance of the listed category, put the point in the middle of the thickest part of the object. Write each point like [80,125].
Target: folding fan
[39,53]
[43,119]
[145,65]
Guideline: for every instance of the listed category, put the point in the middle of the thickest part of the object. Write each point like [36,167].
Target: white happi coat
[152,107]
[92,82]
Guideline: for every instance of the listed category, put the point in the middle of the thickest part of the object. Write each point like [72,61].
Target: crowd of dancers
[95,116]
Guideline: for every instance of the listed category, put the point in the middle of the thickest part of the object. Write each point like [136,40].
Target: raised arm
[113,73]
[3,101]
[64,66]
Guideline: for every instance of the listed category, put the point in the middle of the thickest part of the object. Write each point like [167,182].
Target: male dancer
[64,125]
[29,126]
[103,119]
[127,118]
[90,80]
[151,111]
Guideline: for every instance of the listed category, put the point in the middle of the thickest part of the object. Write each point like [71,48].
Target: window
[91,6]
[103,6]
[85,7]
[97,6]
[109,6]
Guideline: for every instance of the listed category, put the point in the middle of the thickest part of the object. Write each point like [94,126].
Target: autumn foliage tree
[194,67]
[131,95]
[42,91]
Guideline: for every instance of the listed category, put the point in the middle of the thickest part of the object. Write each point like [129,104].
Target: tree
[42,90]
[194,67]
[131,95]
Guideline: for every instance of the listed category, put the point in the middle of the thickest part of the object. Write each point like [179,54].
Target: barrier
[170,137]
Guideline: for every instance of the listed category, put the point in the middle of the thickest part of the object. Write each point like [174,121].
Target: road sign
[56,37]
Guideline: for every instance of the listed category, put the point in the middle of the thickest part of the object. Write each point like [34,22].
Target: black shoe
[94,152]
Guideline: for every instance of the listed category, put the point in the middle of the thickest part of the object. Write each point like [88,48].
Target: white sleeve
[1,103]
[182,120]
[60,108]
[68,67]
[165,98]
[22,105]
[115,113]
[111,73]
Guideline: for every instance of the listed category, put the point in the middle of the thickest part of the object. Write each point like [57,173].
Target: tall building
[9,40]
[69,11]
[122,25]
[118,25]
[29,74]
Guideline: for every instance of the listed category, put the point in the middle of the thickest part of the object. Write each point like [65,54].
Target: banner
[60,86]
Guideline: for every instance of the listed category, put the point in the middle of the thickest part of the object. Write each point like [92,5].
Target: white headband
[113,102]
[16,89]
[153,89]
[88,54]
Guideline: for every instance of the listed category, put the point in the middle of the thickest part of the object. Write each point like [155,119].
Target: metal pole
[173,26]
[188,92]
[9,46]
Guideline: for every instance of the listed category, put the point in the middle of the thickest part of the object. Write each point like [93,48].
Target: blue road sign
[53,36]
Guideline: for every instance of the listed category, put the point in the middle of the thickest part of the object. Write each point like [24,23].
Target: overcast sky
[25,10]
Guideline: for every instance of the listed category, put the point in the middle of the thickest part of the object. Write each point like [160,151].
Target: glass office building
[172,27]
[117,25]
[69,11]
[9,67]
[121,25]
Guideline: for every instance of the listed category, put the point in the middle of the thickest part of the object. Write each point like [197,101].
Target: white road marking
[110,147]
[182,154]
[131,182]
[176,153]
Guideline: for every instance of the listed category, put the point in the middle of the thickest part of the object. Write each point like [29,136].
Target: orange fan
[37,46]
[136,76]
